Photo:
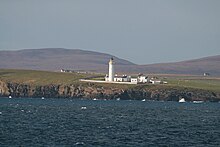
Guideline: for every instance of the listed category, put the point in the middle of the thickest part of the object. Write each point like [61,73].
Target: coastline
[30,83]
[110,91]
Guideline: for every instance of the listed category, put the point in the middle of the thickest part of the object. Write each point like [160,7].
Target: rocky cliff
[90,91]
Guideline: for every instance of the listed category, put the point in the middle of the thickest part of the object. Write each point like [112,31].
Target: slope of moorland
[197,66]
[54,59]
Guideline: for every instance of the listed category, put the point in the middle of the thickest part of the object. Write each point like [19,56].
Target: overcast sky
[141,31]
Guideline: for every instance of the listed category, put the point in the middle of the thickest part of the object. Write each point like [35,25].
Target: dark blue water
[65,122]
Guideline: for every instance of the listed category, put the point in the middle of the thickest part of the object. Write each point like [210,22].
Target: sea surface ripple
[70,122]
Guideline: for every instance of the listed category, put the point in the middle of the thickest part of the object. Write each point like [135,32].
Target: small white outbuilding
[134,80]
[123,78]
[155,81]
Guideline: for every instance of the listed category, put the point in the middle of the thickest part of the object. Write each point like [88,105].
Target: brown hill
[197,66]
[54,59]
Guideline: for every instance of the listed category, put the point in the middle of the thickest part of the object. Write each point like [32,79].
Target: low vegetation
[197,82]
[39,77]
[46,78]
[212,85]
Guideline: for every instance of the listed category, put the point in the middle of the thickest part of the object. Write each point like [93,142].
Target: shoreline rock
[91,91]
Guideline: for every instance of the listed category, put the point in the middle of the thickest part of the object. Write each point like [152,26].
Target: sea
[29,122]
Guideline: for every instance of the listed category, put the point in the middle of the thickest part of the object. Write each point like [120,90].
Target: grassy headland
[39,77]
[29,83]
[42,78]
[194,81]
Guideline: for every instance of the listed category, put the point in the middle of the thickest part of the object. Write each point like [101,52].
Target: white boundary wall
[95,81]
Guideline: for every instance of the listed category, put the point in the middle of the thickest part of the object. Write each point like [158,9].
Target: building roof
[123,76]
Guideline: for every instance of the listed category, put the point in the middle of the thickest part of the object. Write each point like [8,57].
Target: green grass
[39,77]
[191,81]
[99,78]
[205,84]
[45,78]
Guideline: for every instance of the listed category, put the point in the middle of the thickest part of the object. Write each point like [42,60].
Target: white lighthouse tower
[111,72]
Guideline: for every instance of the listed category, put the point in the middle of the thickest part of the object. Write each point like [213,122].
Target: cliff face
[90,91]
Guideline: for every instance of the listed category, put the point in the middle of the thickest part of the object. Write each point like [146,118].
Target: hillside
[197,66]
[54,59]
[57,58]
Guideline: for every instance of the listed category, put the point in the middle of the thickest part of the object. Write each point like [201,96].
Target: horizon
[112,55]
[142,32]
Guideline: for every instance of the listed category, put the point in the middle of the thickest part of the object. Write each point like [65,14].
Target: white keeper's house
[112,77]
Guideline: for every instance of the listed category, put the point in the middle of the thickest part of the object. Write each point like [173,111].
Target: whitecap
[83,108]
[198,102]
[80,143]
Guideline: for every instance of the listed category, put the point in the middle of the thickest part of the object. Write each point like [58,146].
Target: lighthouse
[111,72]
